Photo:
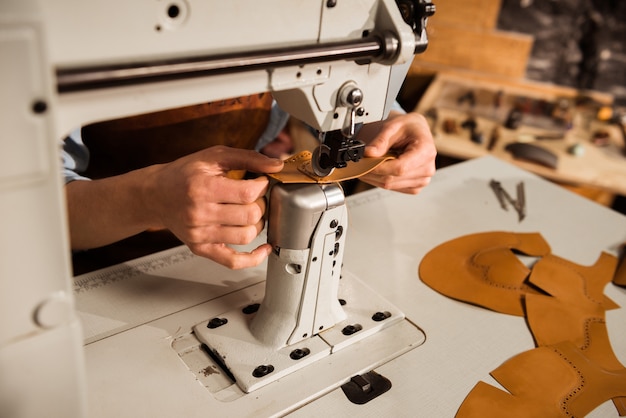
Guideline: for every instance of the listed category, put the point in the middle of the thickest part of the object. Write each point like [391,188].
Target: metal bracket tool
[503,196]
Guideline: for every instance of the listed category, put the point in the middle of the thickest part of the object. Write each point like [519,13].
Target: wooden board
[490,52]
[477,14]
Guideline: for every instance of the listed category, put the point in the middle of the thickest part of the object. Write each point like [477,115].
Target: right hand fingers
[209,211]
[215,233]
[227,256]
[233,214]
[218,189]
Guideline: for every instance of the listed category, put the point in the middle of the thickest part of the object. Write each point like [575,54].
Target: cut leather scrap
[557,381]
[565,306]
[588,333]
[575,309]
[298,169]
[576,298]
[619,278]
[482,269]
[556,275]
[597,347]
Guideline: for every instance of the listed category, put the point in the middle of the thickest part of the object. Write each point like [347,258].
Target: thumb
[377,147]
[239,159]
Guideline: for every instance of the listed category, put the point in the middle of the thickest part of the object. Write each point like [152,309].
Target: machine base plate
[253,365]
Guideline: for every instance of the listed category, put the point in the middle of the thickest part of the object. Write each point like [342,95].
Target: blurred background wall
[577,43]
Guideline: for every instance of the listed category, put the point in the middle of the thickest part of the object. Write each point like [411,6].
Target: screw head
[299,353]
[40,106]
[355,97]
[351,329]
[216,323]
[250,309]
[263,370]
[381,316]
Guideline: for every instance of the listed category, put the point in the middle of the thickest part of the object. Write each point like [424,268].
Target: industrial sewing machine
[64,63]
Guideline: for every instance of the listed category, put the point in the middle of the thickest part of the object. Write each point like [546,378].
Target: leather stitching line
[565,401]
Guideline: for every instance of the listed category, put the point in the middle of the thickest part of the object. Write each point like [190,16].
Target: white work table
[131,313]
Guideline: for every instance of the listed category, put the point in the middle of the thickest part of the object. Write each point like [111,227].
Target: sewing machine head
[366,88]
[342,68]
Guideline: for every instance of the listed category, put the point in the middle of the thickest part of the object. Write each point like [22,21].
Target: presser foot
[253,365]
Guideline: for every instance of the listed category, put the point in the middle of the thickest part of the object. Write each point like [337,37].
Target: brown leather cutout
[576,297]
[482,269]
[546,379]
[569,319]
[620,274]
[557,381]
[298,169]
[575,311]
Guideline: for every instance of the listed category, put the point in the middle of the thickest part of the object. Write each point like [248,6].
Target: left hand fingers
[411,171]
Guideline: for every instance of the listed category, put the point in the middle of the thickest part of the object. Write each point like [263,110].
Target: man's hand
[192,197]
[410,136]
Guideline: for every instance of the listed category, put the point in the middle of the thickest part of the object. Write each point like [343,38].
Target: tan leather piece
[298,169]
[620,273]
[597,348]
[557,381]
[575,311]
[620,404]
[576,299]
[482,269]
[565,307]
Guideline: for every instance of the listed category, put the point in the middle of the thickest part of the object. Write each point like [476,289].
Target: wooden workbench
[600,167]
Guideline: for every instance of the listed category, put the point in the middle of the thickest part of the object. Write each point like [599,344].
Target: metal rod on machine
[78,79]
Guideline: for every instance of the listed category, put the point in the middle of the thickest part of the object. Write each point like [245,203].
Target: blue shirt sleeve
[396,106]
[278,120]
[75,157]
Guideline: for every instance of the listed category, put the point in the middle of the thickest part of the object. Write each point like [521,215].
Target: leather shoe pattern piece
[574,368]
[576,300]
[550,381]
[483,269]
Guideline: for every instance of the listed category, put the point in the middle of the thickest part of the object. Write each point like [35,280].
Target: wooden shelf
[601,168]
